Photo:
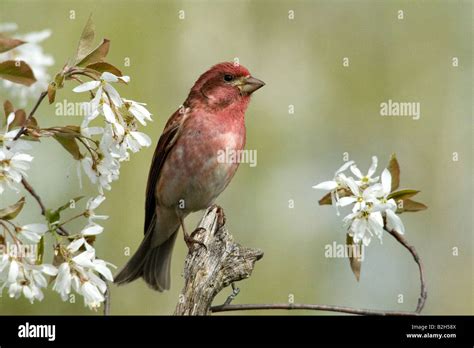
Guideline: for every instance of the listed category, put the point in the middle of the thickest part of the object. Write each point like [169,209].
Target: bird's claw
[191,241]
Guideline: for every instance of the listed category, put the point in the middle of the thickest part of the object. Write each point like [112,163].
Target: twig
[23,127]
[61,230]
[107,296]
[233,295]
[314,307]
[416,257]
[32,192]
[227,307]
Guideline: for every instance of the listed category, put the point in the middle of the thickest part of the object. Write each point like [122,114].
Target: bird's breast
[201,163]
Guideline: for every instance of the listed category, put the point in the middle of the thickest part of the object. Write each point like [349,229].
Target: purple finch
[186,174]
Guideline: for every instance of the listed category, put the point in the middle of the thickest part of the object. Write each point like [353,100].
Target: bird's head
[223,85]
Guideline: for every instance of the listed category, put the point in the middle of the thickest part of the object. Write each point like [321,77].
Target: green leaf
[52,216]
[96,55]
[68,204]
[40,253]
[355,260]
[402,194]
[407,205]
[17,72]
[13,210]
[70,144]
[7,44]
[394,169]
[85,42]
[101,67]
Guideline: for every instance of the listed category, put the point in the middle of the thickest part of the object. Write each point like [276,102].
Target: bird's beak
[250,84]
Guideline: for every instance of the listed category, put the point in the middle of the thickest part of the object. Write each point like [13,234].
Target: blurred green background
[336,111]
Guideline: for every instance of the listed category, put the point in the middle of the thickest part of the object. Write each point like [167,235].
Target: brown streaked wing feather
[166,142]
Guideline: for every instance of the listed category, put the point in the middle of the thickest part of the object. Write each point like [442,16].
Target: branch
[31,190]
[423,291]
[314,307]
[222,262]
[33,193]
[212,267]
[23,127]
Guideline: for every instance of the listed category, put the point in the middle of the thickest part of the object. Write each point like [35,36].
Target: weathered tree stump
[210,269]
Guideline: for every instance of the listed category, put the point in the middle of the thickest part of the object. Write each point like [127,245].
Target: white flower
[27,280]
[62,284]
[81,273]
[136,140]
[366,179]
[364,224]
[360,198]
[370,202]
[104,89]
[92,295]
[32,232]
[32,53]
[138,111]
[105,97]
[389,206]
[92,204]
[339,182]
[103,172]
[336,182]
[13,166]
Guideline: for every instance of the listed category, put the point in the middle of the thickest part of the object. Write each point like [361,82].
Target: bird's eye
[228,78]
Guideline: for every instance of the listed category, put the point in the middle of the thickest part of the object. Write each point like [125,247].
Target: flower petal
[386,181]
[344,167]
[326,185]
[108,113]
[394,223]
[108,77]
[114,95]
[356,171]
[87,86]
[92,230]
[344,201]
[373,167]
[141,138]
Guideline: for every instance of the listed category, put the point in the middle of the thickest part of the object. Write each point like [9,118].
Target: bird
[186,173]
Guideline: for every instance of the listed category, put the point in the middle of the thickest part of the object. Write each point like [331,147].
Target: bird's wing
[166,142]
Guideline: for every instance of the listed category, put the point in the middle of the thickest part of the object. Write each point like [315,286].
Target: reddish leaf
[410,206]
[7,44]
[96,55]
[103,67]
[394,169]
[355,260]
[17,72]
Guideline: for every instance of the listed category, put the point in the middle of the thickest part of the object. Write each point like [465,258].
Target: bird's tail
[152,264]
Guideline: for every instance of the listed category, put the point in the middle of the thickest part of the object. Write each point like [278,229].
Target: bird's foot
[191,241]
